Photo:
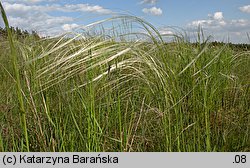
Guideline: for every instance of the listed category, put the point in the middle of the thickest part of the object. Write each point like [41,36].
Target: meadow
[119,86]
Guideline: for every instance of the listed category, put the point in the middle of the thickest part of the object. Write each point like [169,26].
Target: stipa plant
[91,62]
[129,70]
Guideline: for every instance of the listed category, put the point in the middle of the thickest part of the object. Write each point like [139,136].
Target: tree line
[19,33]
[241,46]
[22,34]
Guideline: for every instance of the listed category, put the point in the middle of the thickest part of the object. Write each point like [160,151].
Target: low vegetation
[114,87]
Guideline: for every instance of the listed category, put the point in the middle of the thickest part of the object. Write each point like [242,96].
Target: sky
[222,19]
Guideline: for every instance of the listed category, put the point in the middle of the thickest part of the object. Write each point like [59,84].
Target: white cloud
[166,31]
[69,27]
[153,11]
[34,1]
[149,1]
[42,23]
[56,7]
[37,17]
[245,9]
[219,27]
[18,9]
[218,16]
[85,8]
[31,1]
[217,21]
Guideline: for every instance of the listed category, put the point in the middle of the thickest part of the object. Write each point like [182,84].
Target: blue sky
[222,19]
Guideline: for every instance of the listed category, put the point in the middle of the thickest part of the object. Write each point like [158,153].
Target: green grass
[105,90]
[14,58]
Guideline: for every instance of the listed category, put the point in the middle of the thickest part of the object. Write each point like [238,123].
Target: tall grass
[117,86]
[14,58]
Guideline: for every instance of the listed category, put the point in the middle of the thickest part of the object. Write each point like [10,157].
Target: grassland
[105,90]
